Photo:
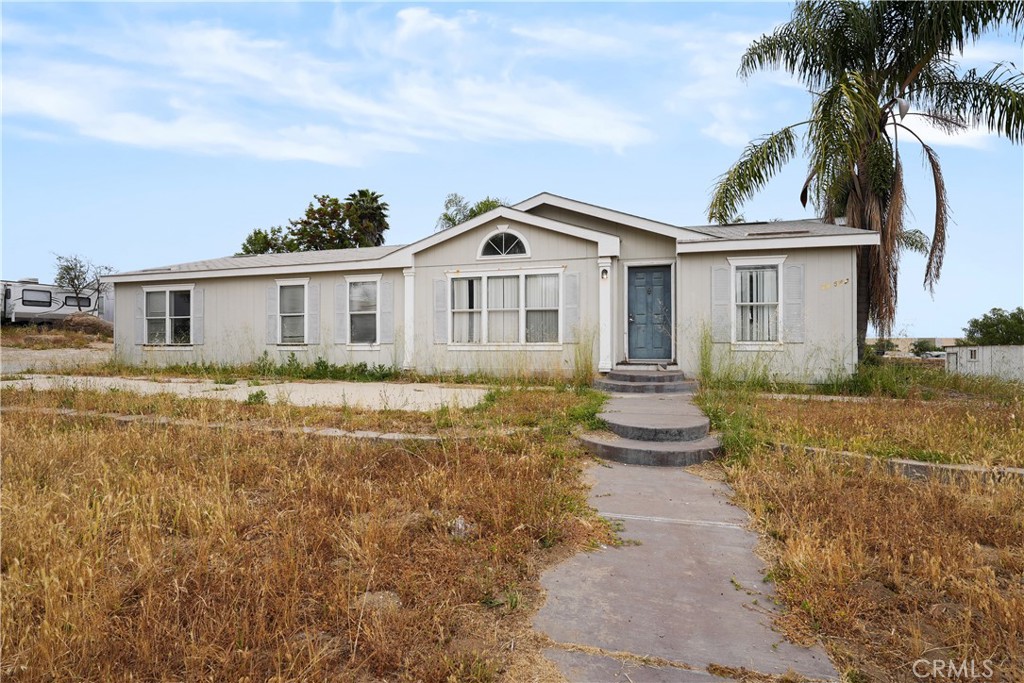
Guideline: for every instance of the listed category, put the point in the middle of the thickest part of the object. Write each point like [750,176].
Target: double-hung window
[757,303]
[362,312]
[168,316]
[292,313]
[505,309]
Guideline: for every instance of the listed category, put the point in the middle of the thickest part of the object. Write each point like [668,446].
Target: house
[541,286]
[1005,362]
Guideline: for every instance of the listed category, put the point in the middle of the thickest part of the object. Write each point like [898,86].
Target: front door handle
[630,318]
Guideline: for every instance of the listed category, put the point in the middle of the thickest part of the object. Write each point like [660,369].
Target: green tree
[996,328]
[270,241]
[866,65]
[80,275]
[922,346]
[323,226]
[457,210]
[367,218]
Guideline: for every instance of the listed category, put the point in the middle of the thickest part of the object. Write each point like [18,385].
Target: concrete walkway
[690,593]
[375,395]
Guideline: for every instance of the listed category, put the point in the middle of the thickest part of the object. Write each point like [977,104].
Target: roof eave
[869,238]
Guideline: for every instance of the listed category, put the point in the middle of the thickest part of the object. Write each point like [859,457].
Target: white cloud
[211,89]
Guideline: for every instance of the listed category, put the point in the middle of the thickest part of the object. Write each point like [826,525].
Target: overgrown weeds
[31,337]
[885,570]
[182,552]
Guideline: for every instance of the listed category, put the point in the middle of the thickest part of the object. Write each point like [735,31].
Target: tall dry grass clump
[185,553]
[887,570]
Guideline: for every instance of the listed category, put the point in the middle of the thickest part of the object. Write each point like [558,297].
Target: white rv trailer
[28,301]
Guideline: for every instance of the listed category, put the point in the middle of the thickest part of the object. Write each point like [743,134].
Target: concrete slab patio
[689,593]
[375,395]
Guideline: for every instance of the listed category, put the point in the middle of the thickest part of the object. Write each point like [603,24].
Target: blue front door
[650,313]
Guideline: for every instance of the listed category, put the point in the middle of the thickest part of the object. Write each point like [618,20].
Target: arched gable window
[503,243]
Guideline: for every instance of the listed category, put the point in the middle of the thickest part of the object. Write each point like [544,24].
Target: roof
[296,258]
[800,228]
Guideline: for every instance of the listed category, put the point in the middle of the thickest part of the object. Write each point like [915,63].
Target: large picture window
[169,316]
[505,309]
[362,307]
[292,307]
[40,298]
[757,303]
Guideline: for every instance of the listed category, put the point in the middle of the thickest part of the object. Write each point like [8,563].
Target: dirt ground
[13,360]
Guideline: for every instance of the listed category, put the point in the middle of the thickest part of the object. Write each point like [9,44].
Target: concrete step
[651,426]
[658,453]
[620,387]
[634,375]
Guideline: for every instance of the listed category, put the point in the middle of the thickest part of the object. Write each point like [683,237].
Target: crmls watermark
[951,670]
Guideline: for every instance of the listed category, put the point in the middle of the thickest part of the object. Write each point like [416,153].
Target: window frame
[86,306]
[292,282]
[521,344]
[972,355]
[349,281]
[741,262]
[36,304]
[502,229]
[167,289]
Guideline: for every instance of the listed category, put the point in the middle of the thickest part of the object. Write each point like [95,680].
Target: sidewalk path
[688,596]
[376,395]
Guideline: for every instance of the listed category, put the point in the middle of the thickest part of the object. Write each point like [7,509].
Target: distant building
[1005,362]
[903,344]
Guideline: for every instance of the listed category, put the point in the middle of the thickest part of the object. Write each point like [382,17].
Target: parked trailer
[28,301]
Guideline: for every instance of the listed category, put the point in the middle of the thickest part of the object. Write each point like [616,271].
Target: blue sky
[139,135]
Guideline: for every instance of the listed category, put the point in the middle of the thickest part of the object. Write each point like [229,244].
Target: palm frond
[915,241]
[938,250]
[761,160]
[993,100]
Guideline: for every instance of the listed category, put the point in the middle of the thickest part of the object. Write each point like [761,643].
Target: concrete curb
[917,469]
[159,420]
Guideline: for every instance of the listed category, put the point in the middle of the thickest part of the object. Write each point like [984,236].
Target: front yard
[185,552]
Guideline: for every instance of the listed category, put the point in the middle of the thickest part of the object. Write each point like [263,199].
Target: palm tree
[867,65]
[367,218]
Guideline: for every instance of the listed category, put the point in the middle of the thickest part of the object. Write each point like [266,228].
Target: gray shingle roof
[775,229]
[298,258]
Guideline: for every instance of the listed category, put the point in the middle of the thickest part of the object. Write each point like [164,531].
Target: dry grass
[28,337]
[183,553]
[887,571]
[961,431]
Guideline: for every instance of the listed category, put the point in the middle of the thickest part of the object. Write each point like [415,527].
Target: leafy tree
[328,223]
[271,241]
[80,275]
[457,210]
[923,346]
[866,64]
[881,346]
[996,328]
[367,218]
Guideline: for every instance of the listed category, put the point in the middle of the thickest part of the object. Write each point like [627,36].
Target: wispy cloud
[215,90]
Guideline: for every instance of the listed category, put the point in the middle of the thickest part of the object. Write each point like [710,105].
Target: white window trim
[350,279]
[748,261]
[304,281]
[167,346]
[503,228]
[509,346]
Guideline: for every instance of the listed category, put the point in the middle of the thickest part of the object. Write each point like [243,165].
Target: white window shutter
[341,313]
[571,308]
[386,298]
[793,304]
[313,319]
[721,306]
[272,330]
[440,311]
[140,316]
[198,316]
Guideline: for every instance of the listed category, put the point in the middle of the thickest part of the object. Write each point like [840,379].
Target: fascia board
[869,238]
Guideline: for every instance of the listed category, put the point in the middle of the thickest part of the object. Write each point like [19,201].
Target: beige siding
[548,249]
[830,345]
[235,324]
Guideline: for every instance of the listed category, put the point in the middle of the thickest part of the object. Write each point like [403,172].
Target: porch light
[604,273]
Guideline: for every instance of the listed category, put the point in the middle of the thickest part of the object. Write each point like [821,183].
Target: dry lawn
[184,553]
[952,431]
[28,337]
[886,570]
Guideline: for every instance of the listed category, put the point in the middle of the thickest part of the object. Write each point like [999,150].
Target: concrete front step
[658,453]
[620,387]
[633,375]
[644,426]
